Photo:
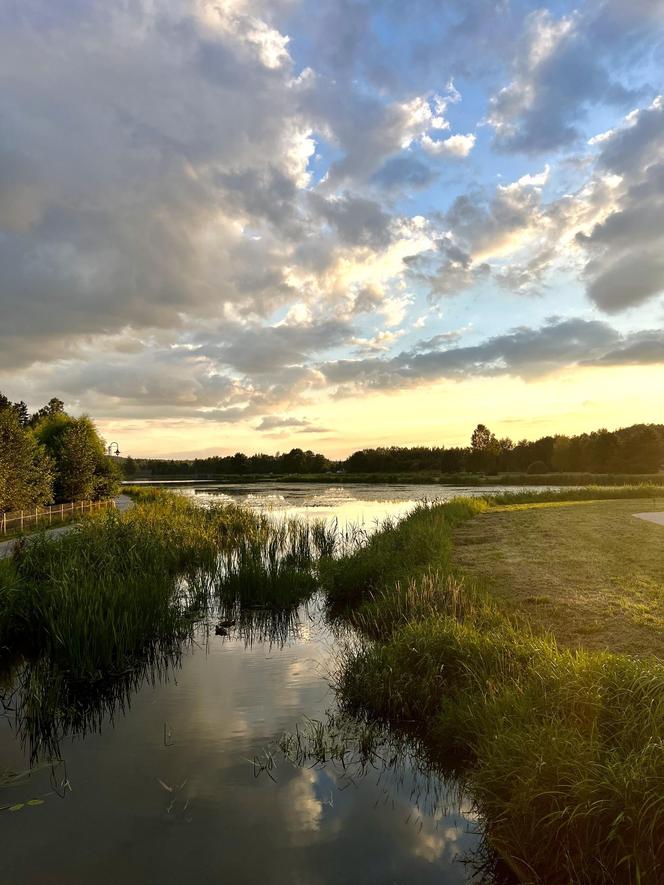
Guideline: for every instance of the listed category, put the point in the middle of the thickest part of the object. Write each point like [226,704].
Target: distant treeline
[295,461]
[638,449]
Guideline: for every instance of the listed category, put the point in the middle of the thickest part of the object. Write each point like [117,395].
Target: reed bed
[93,600]
[278,566]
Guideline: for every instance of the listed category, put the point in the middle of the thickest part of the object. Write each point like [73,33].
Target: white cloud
[454,146]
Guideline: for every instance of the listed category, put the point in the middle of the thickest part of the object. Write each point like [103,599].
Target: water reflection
[153,775]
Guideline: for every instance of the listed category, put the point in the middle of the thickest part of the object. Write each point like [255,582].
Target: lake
[157,781]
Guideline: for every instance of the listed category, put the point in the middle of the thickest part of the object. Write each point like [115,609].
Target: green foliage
[562,751]
[26,471]
[96,598]
[275,567]
[423,540]
[296,462]
[83,470]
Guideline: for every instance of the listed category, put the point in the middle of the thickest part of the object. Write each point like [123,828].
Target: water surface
[160,786]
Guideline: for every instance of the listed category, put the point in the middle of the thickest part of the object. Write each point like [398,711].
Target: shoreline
[500,700]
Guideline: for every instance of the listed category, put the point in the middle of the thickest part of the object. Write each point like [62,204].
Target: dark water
[165,790]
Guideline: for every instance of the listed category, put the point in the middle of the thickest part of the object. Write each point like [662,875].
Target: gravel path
[657,517]
[124,502]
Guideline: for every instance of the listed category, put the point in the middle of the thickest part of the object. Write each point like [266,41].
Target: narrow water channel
[160,785]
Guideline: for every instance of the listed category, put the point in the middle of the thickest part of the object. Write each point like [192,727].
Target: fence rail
[18,520]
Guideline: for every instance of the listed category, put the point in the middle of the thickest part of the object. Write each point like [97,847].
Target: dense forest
[51,457]
[635,449]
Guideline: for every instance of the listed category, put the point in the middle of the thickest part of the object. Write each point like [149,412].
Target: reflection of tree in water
[45,705]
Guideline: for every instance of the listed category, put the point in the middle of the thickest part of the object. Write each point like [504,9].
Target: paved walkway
[657,516]
[124,502]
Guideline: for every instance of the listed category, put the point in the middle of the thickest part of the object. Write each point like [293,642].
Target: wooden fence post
[21,520]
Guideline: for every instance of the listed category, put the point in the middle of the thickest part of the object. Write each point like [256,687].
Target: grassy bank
[122,586]
[561,749]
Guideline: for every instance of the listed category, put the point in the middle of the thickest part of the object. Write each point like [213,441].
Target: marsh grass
[399,551]
[123,587]
[94,599]
[562,751]
[277,566]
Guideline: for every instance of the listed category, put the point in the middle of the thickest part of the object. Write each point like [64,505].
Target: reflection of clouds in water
[305,809]
[433,842]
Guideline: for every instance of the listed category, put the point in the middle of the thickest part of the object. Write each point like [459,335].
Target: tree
[54,406]
[19,408]
[26,471]
[482,439]
[83,470]
[129,467]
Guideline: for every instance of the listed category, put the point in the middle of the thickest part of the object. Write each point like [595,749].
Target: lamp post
[110,449]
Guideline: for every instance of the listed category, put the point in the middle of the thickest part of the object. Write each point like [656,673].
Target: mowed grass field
[589,572]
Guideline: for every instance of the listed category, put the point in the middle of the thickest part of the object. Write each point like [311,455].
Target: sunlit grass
[563,751]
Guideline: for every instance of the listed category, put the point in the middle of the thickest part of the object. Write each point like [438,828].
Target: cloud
[159,175]
[626,249]
[564,65]
[523,352]
[271,422]
[404,171]
[258,350]
[381,341]
[455,146]
[204,206]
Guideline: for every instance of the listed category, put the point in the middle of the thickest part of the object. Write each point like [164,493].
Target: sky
[230,225]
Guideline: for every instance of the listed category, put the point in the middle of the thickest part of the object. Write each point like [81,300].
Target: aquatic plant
[94,599]
[276,567]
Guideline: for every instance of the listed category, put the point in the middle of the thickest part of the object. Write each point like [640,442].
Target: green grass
[591,573]
[94,599]
[276,567]
[562,750]
[121,587]
[399,550]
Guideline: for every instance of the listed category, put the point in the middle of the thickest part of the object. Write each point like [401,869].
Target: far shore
[448,479]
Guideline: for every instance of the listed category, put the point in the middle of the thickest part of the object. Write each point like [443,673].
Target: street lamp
[110,449]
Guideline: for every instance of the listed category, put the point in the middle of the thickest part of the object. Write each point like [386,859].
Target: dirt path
[123,502]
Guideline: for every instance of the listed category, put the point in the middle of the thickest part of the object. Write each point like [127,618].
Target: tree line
[295,461]
[51,457]
[635,449]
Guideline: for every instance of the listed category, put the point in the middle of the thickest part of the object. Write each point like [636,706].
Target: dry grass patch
[590,572]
